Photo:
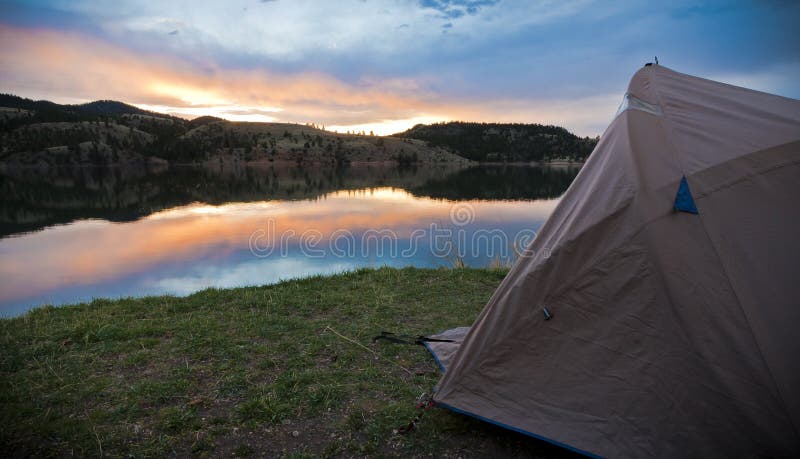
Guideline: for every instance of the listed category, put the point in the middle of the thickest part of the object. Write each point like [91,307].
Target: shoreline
[157,163]
[310,278]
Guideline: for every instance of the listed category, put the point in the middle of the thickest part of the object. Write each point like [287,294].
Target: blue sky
[387,64]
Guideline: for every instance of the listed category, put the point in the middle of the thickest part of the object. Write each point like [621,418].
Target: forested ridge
[504,142]
[112,132]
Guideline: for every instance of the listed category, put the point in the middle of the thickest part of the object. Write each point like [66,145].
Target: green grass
[251,371]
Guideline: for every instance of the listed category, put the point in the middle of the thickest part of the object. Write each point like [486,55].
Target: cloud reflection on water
[187,248]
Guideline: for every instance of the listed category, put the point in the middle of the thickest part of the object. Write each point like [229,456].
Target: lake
[69,236]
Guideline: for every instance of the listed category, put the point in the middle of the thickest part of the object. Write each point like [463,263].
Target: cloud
[689,11]
[774,79]
[47,63]
[348,63]
[457,8]
[291,32]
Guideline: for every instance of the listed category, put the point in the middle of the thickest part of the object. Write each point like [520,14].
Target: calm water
[70,236]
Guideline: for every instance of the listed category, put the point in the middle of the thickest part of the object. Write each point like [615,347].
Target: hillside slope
[108,132]
[239,141]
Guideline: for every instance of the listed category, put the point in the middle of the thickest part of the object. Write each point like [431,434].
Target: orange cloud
[63,66]
[52,62]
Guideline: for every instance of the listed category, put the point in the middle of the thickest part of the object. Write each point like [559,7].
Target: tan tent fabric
[672,334]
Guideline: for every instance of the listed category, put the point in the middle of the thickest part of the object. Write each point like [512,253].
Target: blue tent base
[499,424]
[435,357]
[524,432]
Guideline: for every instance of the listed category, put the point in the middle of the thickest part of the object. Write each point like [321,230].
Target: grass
[254,371]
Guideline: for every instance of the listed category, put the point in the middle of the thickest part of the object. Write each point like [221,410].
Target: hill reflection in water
[107,233]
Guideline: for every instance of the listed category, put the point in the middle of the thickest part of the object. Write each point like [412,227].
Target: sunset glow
[190,232]
[186,94]
[225,111]
[386,127]
[383,66]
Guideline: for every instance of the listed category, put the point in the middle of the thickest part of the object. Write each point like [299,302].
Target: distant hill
[45,111]
[110,107]
[495,142]
[38,132]
[109,132]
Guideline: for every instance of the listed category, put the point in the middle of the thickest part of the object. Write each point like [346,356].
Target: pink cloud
[68,67]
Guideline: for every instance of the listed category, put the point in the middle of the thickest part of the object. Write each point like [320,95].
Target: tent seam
[749,176]
[667,120]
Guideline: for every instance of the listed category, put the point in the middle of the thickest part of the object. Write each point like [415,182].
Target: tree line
[504,142]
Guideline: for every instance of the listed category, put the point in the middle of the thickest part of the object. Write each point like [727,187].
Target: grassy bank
[245,372]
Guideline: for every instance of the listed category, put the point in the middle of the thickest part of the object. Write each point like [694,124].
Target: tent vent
[684,202]
[629,102]
[547,315]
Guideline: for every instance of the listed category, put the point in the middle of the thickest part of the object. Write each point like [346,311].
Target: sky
[385,65]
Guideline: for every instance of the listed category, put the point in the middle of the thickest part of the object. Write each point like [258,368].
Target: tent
[657,311]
